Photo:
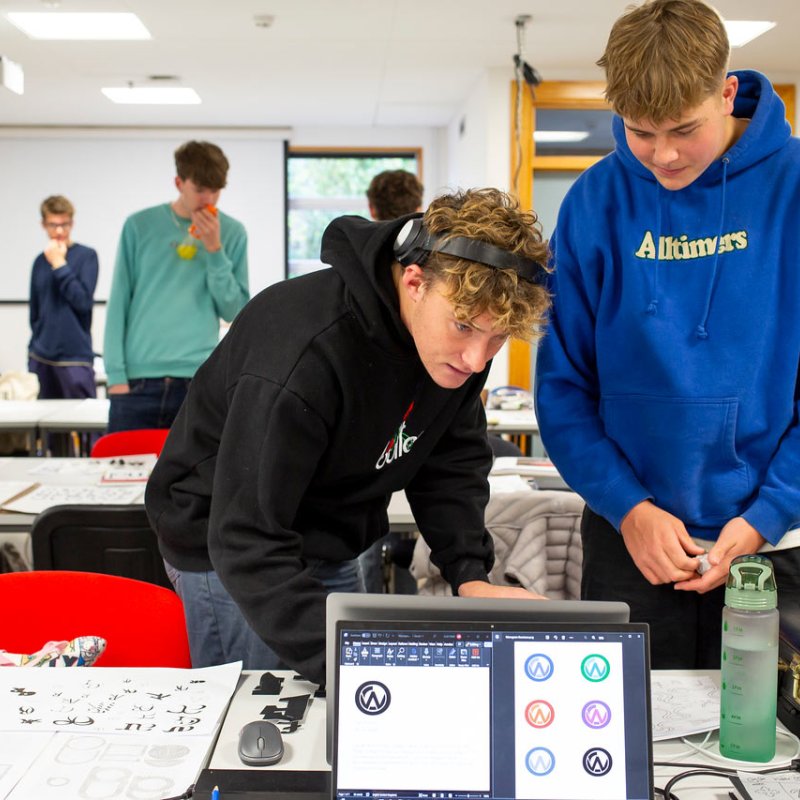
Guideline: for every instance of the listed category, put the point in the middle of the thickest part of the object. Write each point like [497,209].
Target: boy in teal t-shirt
[180,267]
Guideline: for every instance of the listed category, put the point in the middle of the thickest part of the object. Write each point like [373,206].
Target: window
[324,184]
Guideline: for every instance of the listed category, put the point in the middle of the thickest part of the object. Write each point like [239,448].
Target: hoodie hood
[361,252]
[766,133]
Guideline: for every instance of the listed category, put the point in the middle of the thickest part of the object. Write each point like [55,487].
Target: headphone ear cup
[407,248]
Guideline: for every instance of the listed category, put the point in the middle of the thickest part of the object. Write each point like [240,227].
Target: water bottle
[749,661]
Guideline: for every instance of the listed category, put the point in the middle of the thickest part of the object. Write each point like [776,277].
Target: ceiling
[328,62]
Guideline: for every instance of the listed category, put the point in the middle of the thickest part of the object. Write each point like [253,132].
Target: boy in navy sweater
[63,280]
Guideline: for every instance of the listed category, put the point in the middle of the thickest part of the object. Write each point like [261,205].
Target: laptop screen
[483,711]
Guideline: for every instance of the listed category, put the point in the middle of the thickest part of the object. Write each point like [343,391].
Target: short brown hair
[663,58]
[56,204]
[203,163]
[489,215]
[394,193]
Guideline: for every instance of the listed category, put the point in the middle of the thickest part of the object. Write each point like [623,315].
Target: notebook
[436,710]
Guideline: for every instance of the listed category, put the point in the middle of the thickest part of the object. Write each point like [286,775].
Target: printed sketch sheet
[108,732]
[42,497]
[683,705]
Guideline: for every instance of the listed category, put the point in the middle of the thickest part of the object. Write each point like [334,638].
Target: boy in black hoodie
[329,393]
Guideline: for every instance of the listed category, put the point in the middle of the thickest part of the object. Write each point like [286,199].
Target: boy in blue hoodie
[667,387]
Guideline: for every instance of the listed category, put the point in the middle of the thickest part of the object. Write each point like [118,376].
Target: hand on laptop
[484,589]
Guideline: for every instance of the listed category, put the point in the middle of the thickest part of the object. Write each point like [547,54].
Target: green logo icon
[595,668]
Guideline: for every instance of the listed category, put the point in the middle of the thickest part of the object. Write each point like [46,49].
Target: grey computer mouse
[260,744]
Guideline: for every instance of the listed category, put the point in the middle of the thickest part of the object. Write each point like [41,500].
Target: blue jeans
[219,633]
[151,403]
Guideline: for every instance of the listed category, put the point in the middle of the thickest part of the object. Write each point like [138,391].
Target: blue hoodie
[670,371]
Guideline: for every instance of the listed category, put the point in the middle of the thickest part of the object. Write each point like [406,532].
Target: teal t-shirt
[163,315]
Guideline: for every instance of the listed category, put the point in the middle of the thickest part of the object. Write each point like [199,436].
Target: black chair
[114,540]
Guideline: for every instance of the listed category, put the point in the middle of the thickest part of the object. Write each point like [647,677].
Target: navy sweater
[61,307]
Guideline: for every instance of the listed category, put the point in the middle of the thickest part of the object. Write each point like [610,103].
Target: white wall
[110,173]
[478,148]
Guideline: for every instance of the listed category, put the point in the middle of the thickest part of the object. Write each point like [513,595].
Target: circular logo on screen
[539,667]
[597,761]
[540,761]
[373,697]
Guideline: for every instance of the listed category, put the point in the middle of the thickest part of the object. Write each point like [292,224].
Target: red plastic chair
[130,443]
[143,624]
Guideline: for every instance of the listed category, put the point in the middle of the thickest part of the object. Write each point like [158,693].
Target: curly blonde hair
[518,306]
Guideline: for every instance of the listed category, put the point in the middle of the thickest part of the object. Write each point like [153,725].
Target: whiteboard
[109,173]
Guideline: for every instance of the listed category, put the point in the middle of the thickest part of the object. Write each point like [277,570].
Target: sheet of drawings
[108,732]
[75,766]
[9,489]
[683,705]
[17,754]
[780,786]
[123,468]
[45,496]
[115,700]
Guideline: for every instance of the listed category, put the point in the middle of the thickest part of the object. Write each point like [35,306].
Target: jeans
[151,403]
[219,633]
[685,627]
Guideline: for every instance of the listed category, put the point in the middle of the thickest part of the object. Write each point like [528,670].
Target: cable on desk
[721,772]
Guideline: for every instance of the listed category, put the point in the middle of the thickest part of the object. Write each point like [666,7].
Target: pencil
[215,793]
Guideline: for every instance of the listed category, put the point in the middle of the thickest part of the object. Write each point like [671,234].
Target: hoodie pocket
[683,452]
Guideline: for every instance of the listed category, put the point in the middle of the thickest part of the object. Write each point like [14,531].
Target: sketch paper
[176,702]
[683,705]
[44,496]
[100,467]
[779,786]
[17,754]
[89,766]
[9,489]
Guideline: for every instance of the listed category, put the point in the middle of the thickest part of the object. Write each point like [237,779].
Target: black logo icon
[597,761]
[373,698]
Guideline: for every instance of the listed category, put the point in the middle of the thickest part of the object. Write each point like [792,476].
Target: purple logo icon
[596,714]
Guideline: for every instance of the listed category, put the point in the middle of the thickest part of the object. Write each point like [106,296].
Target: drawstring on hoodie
[701,331]
[652,307]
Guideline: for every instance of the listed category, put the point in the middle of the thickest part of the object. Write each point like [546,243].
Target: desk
[37,417]
[517,424]
[88,415]
[305,748]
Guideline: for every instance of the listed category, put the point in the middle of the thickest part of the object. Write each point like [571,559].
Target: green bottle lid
[751,584]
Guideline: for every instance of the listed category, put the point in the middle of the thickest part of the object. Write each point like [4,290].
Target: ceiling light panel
[742,31]
[79,25]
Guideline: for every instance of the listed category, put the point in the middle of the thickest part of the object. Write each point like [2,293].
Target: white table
[87,415]
[521,422]
[305,749]
[516,424]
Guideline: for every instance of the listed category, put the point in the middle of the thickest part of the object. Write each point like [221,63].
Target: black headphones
[415,243]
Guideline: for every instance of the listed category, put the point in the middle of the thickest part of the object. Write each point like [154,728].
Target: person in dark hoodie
[667,387]
[330,392]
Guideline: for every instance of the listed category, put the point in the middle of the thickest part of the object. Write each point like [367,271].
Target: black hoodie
[311,412]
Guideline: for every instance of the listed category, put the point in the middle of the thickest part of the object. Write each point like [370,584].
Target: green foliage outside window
[322,188]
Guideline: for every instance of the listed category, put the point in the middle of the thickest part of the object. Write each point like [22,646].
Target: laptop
[465,710]
[343,606]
